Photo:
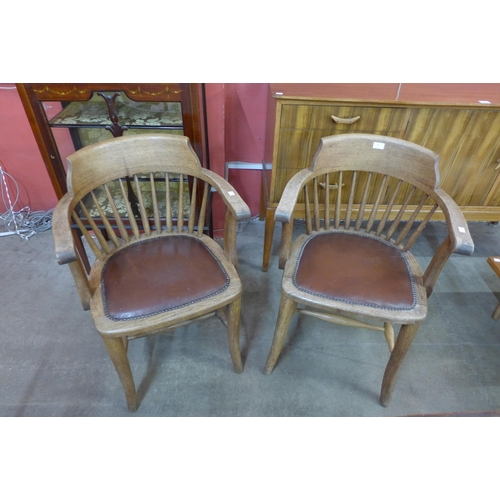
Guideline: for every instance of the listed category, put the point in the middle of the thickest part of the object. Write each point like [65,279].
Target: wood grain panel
[301,127]
[473,164]
[466,141]
[490,184]
[442,130]
[317,116]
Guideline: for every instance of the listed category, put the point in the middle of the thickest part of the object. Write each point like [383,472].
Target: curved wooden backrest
[126,156]
[375,153]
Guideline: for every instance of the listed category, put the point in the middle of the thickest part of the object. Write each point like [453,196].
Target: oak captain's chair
[154,267]
[367,194]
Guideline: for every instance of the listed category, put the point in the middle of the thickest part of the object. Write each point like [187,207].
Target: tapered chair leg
[118,354]
[233,333]
[285,313]
[403,342]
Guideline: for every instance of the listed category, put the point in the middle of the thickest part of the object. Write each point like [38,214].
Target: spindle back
[126,190]
[325,209]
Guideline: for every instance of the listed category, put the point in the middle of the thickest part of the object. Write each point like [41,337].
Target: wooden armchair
[367,199]
[154,268]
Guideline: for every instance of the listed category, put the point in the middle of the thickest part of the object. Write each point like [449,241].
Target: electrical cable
[24,223]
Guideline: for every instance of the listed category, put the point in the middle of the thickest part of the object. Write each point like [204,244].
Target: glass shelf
[94,113]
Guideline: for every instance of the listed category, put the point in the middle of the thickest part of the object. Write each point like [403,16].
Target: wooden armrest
[63,237]
[237,210]
[65,249]
[233,201]
[284,211]
[458,241]
[461,240]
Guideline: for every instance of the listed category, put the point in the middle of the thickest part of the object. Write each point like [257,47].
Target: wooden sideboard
[460,122]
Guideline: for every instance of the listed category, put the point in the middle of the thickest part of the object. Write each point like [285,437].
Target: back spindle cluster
[124,209]
[367,201]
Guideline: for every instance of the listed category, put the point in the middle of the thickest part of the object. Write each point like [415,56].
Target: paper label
[484,102]
[461,229]
[230,193]
[378,145]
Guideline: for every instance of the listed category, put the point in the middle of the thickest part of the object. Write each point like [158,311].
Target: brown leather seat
[356,269]
[158,275]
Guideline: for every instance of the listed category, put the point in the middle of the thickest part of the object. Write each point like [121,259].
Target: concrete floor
[53,362]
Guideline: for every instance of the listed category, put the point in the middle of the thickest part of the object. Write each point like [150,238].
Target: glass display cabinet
[92,112]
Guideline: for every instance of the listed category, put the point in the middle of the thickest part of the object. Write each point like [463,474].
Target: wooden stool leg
[285,313]
[233,333]
[118,354]
[403,342]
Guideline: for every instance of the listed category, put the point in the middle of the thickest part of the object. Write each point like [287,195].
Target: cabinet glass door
[113,114]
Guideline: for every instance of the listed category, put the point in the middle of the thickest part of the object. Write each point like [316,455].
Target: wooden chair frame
[154,156]
[387,209]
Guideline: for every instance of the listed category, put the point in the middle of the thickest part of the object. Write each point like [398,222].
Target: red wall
[246,111]
[246,108]
[215,103]
[236,116]
[20,156]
